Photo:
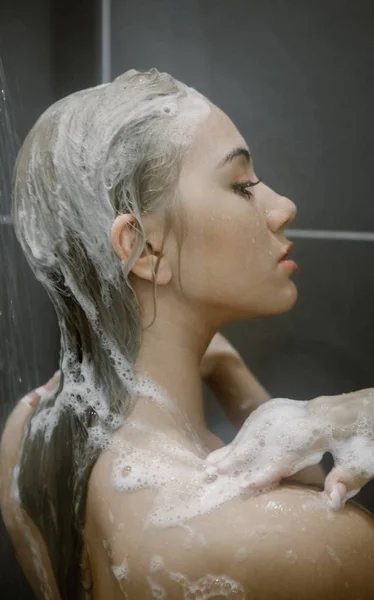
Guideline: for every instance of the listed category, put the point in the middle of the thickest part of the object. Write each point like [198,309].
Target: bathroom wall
[47,50]
[297,79]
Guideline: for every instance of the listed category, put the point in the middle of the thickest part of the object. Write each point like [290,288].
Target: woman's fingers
[265,472]
[270,447]
[33,398]
[264,478]
[238,455]
[283,436]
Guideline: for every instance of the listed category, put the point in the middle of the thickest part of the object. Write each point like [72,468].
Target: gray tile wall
[48,49]
[27,348]
[297,80]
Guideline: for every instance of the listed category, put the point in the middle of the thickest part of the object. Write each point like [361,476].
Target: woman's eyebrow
[240,151]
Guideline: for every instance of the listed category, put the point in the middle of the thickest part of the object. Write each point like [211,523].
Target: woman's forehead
[215,138]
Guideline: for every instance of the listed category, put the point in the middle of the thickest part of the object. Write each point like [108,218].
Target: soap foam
[158,592]
[121,571]
[187,486]
[207,587]
[184,490]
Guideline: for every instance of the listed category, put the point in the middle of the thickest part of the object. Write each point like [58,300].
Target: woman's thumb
[33,398]
[342,484]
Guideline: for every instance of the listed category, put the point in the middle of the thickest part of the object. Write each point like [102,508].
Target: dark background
[297,79]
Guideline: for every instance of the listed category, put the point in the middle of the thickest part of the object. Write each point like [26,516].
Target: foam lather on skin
[139,468]
[175,465]
[208,587]
[279,439]
[121,571]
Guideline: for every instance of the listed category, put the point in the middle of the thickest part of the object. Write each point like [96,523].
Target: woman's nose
[280,214]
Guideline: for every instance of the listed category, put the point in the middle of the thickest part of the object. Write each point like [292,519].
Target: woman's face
[233,243]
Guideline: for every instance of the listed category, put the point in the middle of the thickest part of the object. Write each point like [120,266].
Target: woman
[138,208]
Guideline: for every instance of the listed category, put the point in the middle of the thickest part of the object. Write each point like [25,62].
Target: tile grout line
[312,234]
[322,234]
[106,67]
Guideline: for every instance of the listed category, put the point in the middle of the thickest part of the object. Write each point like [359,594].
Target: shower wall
[48,49]
[296,77]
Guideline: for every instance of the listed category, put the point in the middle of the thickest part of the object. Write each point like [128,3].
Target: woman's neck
[170,354]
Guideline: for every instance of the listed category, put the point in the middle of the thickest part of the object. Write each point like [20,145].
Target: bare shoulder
[28,544]
[155,542]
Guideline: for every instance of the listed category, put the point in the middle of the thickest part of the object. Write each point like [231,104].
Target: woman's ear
[152,265]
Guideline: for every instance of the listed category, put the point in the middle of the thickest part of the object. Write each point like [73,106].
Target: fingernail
[218,455]
[33,398]
[338,496]
[250,482]
[41,390]
[30,401]
[216,469]
[335,501]
[211,470]
[213,459]
[246,480]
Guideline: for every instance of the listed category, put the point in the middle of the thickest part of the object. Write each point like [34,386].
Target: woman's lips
[290,265]
[286,261]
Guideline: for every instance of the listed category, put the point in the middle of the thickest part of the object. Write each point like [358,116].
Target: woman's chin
[285,300]
[290,297]
[273,303]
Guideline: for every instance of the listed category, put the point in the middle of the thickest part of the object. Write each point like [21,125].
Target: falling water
[9,144]
[29,338]
[10,338]
[21,338]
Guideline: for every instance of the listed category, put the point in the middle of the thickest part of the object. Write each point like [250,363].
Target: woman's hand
[11,436]
[235,387]
[32,399]
[283,436]
[350,419]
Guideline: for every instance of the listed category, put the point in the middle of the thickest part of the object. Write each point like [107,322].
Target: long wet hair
[112,149]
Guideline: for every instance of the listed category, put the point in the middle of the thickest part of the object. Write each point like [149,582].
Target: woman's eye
[245,187]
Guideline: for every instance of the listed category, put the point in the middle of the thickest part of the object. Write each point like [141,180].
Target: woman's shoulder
[280,544]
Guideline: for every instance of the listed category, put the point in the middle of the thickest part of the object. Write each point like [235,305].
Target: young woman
[138,208]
